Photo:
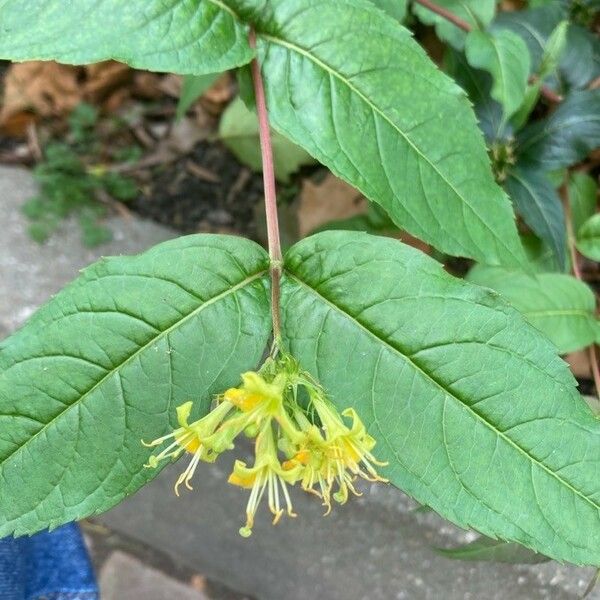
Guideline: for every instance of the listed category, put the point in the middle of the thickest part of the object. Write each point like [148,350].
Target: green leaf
[395,128]
[477,13]
[194,37]
[106,362]
[193,87]
[394,8]
[588,238]
[478,85]
[534,26]
[553,50]
[539,254]
[560,306]
[538,203]
[583,195]
[476,414]
[579,60]
[548,65]
[238,130]
[504,55]
[489,550]
[567,136]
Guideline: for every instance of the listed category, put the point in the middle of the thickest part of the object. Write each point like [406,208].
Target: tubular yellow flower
[266,474]
[322,452]
[189,438]
[258,402]
[344,454]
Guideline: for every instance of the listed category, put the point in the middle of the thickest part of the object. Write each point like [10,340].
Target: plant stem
[439,10]
[270,193]
[549,94]
[593,355]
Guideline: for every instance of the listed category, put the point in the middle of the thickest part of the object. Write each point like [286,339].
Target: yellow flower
[266,474]
[322,451]
[190,438]
[255,392]
[310,458]
[258,402]
[342,455]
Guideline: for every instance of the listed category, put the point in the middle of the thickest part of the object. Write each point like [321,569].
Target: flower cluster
[311,446]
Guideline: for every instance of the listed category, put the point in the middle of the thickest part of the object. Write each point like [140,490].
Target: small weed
[71,182]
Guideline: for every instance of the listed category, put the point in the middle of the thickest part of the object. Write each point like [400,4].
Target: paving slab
[374,548]
[29,272]
[126,578]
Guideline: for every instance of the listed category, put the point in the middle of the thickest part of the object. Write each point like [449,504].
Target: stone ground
[157,547]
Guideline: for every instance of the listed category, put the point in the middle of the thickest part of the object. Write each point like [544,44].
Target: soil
[207,190]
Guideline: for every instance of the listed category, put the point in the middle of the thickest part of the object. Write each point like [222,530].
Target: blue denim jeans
[47,566]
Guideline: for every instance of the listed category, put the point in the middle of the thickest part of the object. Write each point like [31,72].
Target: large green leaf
[578,62]
[358,93]
[343,80]
[588,238]
[476,414]
[534,26]
[105,363]
[567,136]
[583,198]
[538,203]
[478,85]
[505,56]
[238,129]
[394,8]
[477,13]
[195,36]
[560,306]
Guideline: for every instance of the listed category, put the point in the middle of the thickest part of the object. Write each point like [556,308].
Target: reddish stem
[439,10]
[270,192]
[593,355]
[550,95]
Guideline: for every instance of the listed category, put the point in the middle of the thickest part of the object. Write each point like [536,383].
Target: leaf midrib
[131,357]
[446,391]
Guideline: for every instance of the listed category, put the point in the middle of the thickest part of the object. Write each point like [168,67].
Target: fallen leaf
[580,364]
[48,89]
[330,200]
[43,88]
[148,85]
[103,79]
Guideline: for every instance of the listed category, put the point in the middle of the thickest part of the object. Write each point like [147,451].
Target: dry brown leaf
[510,5]
[103,79]
[330,200]
[43,88]
[580,364]
[171,85]
[410,240]
[48,89]
[18,124]
[218,95]
[147,85]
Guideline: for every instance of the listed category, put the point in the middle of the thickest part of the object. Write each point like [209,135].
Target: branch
[439,10]
[270,192]
[546,92]
[593,355]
